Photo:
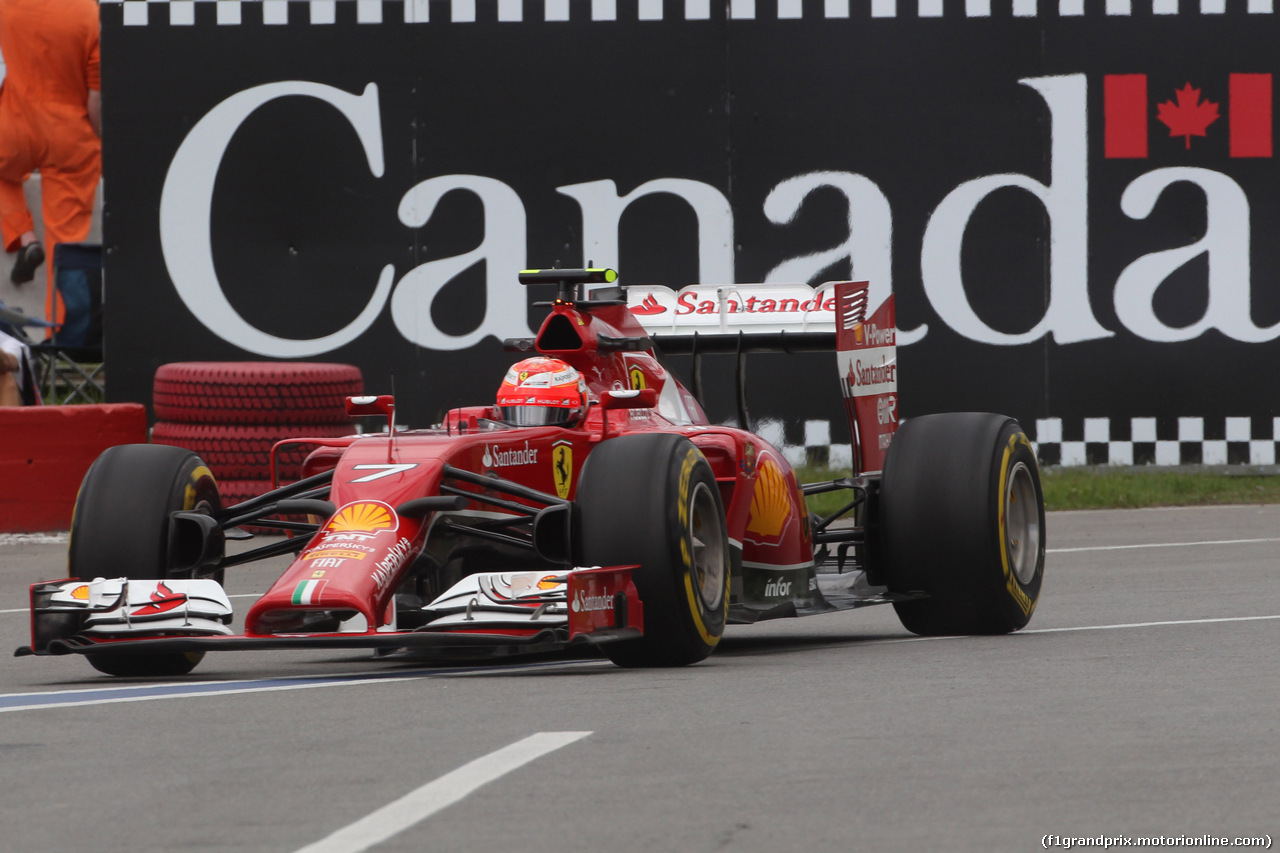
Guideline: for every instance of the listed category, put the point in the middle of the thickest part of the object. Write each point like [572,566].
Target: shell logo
[362,517]
[771,502]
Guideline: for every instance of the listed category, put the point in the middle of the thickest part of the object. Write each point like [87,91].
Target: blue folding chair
[72,364]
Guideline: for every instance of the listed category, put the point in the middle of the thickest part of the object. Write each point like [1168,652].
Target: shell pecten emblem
[771,502]
[362,517]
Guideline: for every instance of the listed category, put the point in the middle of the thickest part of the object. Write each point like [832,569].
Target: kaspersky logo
[1191,114]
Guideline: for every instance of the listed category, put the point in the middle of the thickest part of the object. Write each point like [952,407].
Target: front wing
[485,614]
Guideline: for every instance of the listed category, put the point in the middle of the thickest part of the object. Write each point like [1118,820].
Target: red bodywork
[357,560]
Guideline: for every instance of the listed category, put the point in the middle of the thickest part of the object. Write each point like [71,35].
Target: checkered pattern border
[232,12]
[1084,441]
[1158,441]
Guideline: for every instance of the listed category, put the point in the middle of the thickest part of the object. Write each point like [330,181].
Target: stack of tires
[231,413]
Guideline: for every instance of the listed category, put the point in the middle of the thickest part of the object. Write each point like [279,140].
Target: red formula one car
[594,504]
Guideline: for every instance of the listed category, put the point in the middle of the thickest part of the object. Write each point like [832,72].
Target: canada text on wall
[1074,200]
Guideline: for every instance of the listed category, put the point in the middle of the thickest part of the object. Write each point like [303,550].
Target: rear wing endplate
[738,319]
[867,358]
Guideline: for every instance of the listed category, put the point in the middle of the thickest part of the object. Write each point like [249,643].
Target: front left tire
[120,527]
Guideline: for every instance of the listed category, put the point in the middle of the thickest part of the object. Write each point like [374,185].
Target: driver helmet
[541,391]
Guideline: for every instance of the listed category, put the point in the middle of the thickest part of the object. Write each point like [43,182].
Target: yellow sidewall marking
[695,610]
[189,495]
[1019,595]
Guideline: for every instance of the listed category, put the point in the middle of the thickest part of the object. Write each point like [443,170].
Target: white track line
[1148,624]
[1159,545]
[420,804]
[33,538]
[1071,629]
[112,695]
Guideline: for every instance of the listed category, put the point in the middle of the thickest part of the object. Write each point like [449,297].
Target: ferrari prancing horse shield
[562,468]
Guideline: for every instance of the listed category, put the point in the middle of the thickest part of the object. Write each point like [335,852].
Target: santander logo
[591,603]
[496,457]
[648,307]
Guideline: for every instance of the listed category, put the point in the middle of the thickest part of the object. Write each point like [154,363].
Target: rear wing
[739,319]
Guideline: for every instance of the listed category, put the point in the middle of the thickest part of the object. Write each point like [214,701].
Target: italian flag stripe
[307,592]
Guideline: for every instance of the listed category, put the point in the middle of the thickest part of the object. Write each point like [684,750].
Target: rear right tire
[962,521]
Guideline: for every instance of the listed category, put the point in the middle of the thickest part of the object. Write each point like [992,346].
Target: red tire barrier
[254,392]
[235,452]
[235,491]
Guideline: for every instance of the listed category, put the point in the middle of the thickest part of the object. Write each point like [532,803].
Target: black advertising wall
[1075,202]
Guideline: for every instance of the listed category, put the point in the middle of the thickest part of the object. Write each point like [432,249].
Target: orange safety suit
[51,55]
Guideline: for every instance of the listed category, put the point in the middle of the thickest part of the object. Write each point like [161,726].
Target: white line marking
[115,700]
[108,694]
[1158,545]
[33,538]
[420,804]
[1149,624]
[1116,627]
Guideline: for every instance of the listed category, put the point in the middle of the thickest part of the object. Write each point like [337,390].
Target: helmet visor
[537,415]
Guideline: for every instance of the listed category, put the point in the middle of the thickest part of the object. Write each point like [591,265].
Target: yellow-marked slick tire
[120,528]
[652,500]
[962,519]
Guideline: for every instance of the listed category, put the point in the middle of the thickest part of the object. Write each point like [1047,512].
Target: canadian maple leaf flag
[1127,115]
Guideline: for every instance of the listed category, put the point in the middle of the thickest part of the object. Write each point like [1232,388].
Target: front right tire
[652,499]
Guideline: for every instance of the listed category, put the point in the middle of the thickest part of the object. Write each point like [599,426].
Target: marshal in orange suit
[50,121]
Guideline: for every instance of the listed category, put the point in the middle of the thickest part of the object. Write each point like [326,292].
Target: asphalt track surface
[1142,701]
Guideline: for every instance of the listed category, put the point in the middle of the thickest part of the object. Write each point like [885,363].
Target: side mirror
[644,398]
[383,404]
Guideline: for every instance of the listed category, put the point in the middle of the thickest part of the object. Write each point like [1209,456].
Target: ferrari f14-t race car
[593,505]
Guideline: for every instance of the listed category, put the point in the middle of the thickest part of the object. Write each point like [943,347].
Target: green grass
[1114,488]
[1111,488]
